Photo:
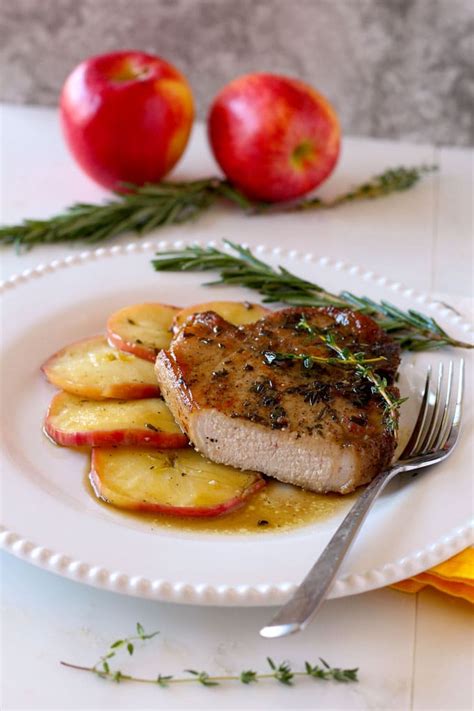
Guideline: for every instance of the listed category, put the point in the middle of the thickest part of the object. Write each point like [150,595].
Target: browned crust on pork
[213,369]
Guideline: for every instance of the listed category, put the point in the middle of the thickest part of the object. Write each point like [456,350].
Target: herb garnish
[391,404]
[411,329]
[145,208]
[352,359]
[280,672]
[151,427]
[392,180]
[363,366]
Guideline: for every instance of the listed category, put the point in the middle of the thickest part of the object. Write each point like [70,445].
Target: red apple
[126,117]
[275,138]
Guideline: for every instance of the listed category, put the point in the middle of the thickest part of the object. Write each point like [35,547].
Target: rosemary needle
[146,208]
[411,329]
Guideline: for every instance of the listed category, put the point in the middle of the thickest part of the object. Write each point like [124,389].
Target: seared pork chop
[317,425]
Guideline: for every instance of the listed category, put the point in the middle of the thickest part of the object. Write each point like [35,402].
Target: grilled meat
[241,402]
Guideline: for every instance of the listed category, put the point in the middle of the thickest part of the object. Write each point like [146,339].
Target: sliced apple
[239,313]
[142,329]
[179,482]
[75,422]
[94,369]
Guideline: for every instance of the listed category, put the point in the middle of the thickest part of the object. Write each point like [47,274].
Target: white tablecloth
[414,652]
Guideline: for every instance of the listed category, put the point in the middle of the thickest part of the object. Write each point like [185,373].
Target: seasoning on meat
[320,425]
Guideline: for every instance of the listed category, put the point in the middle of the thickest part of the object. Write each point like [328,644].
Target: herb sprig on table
[280,672]
[142,209]
[413,330]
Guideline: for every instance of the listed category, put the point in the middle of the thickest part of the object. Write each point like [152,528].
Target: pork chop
[243,400]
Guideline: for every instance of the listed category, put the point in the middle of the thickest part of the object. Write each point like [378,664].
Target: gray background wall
[392,68]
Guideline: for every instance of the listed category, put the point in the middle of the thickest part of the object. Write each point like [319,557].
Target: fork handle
[311,593]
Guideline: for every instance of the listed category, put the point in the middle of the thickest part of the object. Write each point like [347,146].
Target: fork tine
[420,421]
[439,436]
[311,593]
[440,409]
[434,412]
[455,426]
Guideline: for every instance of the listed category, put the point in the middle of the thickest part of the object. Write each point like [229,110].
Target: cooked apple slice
[238,313]
[75,422]
[142,329]
[179,482]
[94,369]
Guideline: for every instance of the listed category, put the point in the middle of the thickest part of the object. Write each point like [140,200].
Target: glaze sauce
[276,508]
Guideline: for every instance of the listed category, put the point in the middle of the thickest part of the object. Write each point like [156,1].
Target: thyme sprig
[362,365]
[354,359]
[391,404]
[282,672]
[102,666]
[145,208]
[413,330]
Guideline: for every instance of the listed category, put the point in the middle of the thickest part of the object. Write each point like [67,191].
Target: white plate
[49,519]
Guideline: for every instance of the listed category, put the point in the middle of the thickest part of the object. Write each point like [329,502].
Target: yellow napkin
[454,577]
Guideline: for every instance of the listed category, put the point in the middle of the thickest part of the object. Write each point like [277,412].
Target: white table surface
[414,652]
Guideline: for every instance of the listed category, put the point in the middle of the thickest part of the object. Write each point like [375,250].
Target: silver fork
[432,440]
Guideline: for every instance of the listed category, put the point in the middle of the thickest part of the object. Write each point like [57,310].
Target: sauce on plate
[276,508]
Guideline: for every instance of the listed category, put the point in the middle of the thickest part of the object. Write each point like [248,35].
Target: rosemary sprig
[145,208]
[139,210]
[413,330]
[280,672]
[392,180]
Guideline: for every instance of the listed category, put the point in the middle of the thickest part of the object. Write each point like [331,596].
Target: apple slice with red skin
[239,313]
[178,482]
[72,421]
[93,369]
[142,329]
